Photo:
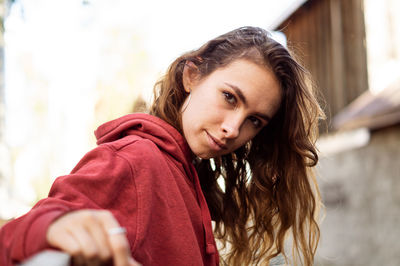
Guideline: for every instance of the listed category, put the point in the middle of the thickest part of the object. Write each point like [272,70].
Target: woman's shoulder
[133,143]
[135,150]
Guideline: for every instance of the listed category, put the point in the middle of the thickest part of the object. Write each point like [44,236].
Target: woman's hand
[85,234]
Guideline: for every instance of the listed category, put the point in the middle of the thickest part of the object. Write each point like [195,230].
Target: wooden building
[359,174]
[329,38]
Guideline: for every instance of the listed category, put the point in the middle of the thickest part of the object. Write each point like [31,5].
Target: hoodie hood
[165,136]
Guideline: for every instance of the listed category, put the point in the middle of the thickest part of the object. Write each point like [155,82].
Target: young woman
[239,110]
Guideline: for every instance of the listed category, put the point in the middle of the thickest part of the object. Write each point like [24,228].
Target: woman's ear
[190,75]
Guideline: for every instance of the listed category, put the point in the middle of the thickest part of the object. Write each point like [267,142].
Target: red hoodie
[142,172]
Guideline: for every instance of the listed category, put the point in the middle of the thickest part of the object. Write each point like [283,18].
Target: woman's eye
[256,122]
[229,97]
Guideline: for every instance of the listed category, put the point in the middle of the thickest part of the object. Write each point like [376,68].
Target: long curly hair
[270,192]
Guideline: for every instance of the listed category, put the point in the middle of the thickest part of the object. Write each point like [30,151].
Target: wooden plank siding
[329,38]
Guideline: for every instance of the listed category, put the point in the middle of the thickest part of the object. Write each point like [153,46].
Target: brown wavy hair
[270,192]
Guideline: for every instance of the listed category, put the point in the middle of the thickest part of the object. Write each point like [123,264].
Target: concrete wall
[361,191]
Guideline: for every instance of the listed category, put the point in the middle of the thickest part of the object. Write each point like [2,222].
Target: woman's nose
[231,127]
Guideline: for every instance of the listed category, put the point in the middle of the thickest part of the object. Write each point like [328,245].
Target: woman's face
[228,107]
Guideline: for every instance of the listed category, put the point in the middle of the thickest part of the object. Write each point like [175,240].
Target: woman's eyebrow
[240,94]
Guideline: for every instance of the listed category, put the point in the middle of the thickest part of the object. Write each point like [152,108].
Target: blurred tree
[3,150]
[2,13]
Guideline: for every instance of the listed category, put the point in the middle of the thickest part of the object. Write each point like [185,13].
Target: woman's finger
[71,233]
[87,243]
[118,241]
[64,241]
[98,234]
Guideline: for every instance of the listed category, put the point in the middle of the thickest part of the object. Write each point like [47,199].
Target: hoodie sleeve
[101,180]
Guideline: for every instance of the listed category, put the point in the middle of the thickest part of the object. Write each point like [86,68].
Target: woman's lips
[215,143]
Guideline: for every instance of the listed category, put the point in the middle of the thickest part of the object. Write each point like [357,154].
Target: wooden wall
[329,38]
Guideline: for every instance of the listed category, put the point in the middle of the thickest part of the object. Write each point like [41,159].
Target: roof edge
[286,13]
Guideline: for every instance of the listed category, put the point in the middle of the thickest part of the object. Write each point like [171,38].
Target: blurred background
[67,66]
